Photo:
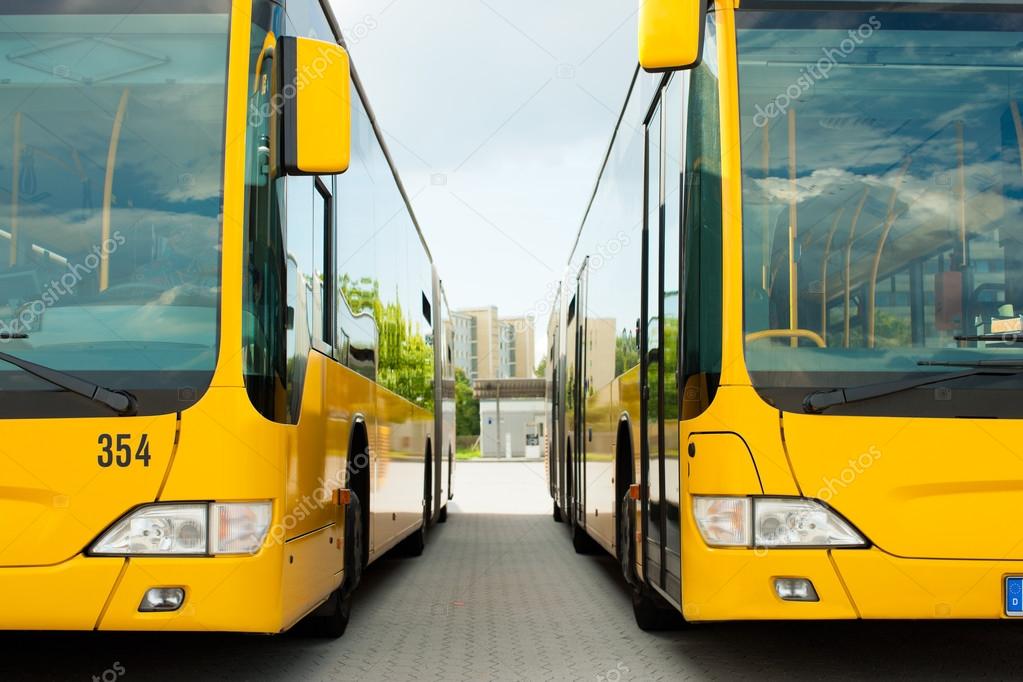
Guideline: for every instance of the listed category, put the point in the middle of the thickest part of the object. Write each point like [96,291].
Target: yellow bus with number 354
[225,384]
[785,369]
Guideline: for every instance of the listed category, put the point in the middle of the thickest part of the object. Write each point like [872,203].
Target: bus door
[555,457]
[651,366]
[671,328]
[662,343]
[571,436]
[583,432]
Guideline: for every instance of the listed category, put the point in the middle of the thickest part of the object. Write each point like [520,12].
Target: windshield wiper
[121,402]
[1004,363]
[819,401]
[1014,337]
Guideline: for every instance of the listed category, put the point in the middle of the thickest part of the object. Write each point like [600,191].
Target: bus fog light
[164,599]
[239,528]
[795,589]
[723,521]
[158,529]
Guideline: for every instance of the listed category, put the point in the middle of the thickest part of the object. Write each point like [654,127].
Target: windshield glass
[111,157]
[882,191]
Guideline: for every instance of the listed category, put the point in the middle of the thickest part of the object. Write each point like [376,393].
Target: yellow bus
[786,365]
[224,386]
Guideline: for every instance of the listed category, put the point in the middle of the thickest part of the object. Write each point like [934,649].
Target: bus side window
[322,265]
[702,325]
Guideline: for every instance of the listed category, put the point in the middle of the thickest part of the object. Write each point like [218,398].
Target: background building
[518,358]
[461,336]
[487,346]
[511,417]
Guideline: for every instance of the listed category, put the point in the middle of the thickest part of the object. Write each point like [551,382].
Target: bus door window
[671,172]
[323,256]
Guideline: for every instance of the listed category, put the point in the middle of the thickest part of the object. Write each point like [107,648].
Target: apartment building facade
[487,346]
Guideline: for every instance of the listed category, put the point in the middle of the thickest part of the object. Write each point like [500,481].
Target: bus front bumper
[99,593]
[850,583]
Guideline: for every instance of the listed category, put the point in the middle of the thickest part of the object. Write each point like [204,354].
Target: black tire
[652,613]
[625,518]
[414,545]
[443,516]
[626,540]
[582,542]
[355,549]
[558,517]
[330,620]
[358,484]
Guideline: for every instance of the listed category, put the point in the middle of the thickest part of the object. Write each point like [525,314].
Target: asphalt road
[500,595]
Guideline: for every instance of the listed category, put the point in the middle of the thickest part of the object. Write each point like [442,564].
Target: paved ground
[500,595]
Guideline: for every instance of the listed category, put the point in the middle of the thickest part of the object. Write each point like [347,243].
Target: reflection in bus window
[883,203]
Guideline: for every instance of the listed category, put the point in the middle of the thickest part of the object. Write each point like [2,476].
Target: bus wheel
[652,613]
[558,518]
[331,620]
[626,553]
[582,542]
[413,545]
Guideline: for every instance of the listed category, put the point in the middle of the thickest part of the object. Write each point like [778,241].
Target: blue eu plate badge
[1014,596]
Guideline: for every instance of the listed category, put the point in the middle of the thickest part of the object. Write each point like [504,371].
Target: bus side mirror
[316,107]
[671,34]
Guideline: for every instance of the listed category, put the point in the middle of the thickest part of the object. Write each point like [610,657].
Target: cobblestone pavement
[500,595]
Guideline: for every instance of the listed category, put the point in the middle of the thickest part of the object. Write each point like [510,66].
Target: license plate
[1014,596]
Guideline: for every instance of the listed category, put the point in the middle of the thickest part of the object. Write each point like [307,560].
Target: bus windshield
[111,163]
[882,192]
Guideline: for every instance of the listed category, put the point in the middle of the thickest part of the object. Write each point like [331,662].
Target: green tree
[626,352]
[467,406]
[361,294]
[541,370]
[405,357]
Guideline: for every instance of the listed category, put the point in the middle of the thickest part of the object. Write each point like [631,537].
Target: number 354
[122,451]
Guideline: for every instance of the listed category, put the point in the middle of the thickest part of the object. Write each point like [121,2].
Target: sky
[498,115]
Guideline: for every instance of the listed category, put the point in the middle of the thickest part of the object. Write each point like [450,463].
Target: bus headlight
[157,529]
[238,528]
[187,529]
[774,522]
[796,522]
[723,521]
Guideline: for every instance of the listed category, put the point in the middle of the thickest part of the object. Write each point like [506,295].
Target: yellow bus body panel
[599,467]
[54,495]
[889,587]
[240,594]
[398,461]
[923,488]
[68,596]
